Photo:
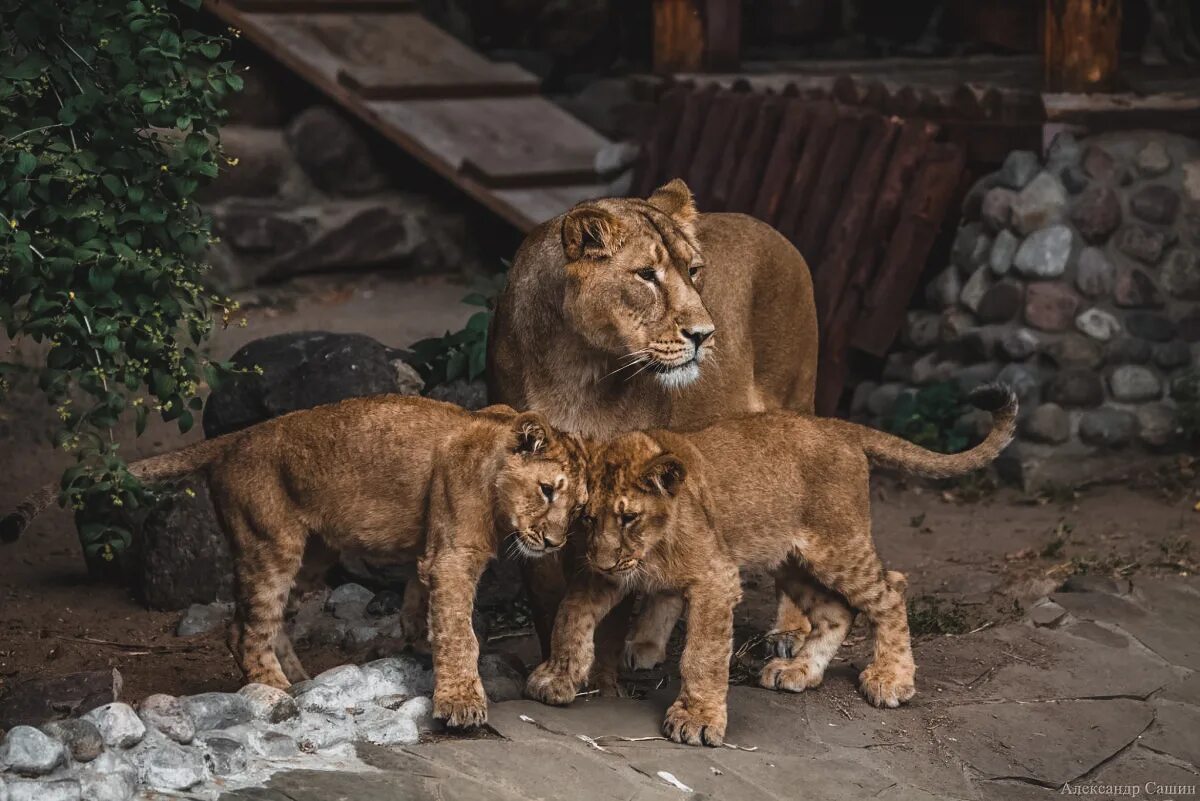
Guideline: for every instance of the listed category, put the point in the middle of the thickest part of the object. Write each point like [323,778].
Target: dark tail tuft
[993,397]
[11,527]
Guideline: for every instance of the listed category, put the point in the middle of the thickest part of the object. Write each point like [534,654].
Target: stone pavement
[1101,690]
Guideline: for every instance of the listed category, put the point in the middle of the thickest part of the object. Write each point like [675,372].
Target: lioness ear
[664,474]
[532,433]
[590,233]
[675,200]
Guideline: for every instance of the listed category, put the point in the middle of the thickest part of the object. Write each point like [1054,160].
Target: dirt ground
[974,554]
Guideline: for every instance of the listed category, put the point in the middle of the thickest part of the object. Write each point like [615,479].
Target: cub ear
[532,433]
[664,474]
[675,200]
[590,233]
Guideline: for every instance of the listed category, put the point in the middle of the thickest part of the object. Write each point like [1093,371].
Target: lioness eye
[548,492]
[694,270]
[647,274]
[628,518]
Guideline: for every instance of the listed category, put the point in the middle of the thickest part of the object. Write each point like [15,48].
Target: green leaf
[26,163]
[141,415]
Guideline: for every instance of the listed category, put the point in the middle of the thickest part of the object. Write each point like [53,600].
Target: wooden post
[1080,45]
[691,35]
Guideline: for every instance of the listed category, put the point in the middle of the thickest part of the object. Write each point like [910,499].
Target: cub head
[633,272]
[541,486]
[635,487]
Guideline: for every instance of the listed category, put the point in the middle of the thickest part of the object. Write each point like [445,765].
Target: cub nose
[699,334]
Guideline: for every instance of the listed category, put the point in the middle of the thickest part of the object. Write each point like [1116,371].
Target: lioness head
[634,486]
[540,486]
[632,274]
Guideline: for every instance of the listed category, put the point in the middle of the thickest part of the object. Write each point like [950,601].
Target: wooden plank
[1176,111]
[323,6]
[722,34]
[799,193]
[418,82]
[829,186]
[731,155]
[545,203]
[678,36]
[687,135]
[722,115]
[781,164]
[921,217]
[1080,45]
[757,149]
[656,150]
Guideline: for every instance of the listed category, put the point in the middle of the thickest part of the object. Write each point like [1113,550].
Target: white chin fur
[680,377]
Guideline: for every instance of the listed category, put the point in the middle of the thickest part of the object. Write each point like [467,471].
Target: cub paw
[550,686]
[793,675]
[785,644]
[887,685]
[644,655]
[462,707]
[687,726]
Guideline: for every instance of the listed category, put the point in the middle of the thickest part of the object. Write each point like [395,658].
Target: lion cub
[685,511]
[391,477]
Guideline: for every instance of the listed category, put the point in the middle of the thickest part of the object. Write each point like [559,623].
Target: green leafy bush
[931,417]
[462,354]
[108,124]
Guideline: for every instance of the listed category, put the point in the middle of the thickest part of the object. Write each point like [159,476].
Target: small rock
[1157,425]
[996,209]
[1047,423]
[1153,160]
[1076,388]
[1107,428]
[1169,355]
[1135,289]
[1098,164]
[119,725]
[883,399]
[931,369]
[1181,274]
[168,714]
[1098,324]
[943,291]
[1074,350]
[1073,178]
[971,246]
[1045,253]
[1128,350]
[269,704]
[1019,168]
[1004,250]
[921,329]
[43,790]
[1096,213]
[1132,383]
[275,745]
[1018,344]
[1155,204]
[1047,614]
[318,732]
[403,674]
[217,710]
[420,711]
[1023,380]
[1050,306]
[975,288]
[349,601]
[31,752]
[386,602]
[858,400]
[1140,243]
[384,727]
[81,737]
[1001,303]
[1064,150]
[1149,325]
[1043,202]
[110,777]
[164,764]
[224,755]
[1095,274]
[203,618]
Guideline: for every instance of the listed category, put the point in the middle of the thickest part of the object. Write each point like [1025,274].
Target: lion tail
[887,450]
[156,468]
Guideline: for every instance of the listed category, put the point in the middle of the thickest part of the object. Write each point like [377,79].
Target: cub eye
[628,518]
[648,274]
[694,270]
[548,492]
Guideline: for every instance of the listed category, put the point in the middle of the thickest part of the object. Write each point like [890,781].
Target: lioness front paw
[644,655]
[684,725]
[793,675]
[887,685]
[461,706]
[550,686]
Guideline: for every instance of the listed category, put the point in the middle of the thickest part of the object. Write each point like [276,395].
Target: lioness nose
[699,334]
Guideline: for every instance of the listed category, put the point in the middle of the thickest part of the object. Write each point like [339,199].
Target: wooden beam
[722,34]
[678,36]
[1080,45]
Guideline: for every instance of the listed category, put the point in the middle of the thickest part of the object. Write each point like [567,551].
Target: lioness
[388,476]
[627,314]
[685,511]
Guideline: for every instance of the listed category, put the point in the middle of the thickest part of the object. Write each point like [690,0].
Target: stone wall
[1076,279]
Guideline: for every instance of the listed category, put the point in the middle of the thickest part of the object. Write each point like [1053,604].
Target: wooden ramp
[482,124]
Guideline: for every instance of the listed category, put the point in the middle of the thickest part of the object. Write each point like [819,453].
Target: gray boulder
[81,737]
[217,710]
[1107,427]
[31,752]
[1045,253]
[119,725]
[169,715]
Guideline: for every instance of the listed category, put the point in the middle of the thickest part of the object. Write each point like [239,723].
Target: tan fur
[579,336]
[685,511]
[394,478]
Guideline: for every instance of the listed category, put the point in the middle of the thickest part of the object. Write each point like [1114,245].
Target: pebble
[1076,387]
[1157,425]
[1050,306]
[1001,303]
[217,710]
[269,703]
[1169,355]
[1096,213]
[31,752]
[1135,289]
[1041,203]
[119,725]
[169,715]
[1004,250]
[53,790]
[996,209]
[1156,204]
[1128,350]
[1045,253]
[349,601]
[1140,243]
[1180,274]
[975,288]
[944,289]
[1047,614]
[1133,383]
[1064,150]
[1153,159]
[1018,345]
[81,737]
[1075,350]
[1048,423]
[1095,274]
[203,618]
[1098,324]
[1107,428]
[1019,168]
[1149,325]
[921,329]
[931,369]
[1099,164]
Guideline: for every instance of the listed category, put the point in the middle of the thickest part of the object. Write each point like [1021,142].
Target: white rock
[384,727]
[269,703]
[31,752]
[1045,253]
[110,777]
[217,710]
[44,790]
[1098,324]
[203,618]
[405,672]
[316,732]
[975,288]
[224,755]
[1041,203]
[419,710]
[348,601]
[119,725]
[1004,248]
[169,715]
[164,764]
